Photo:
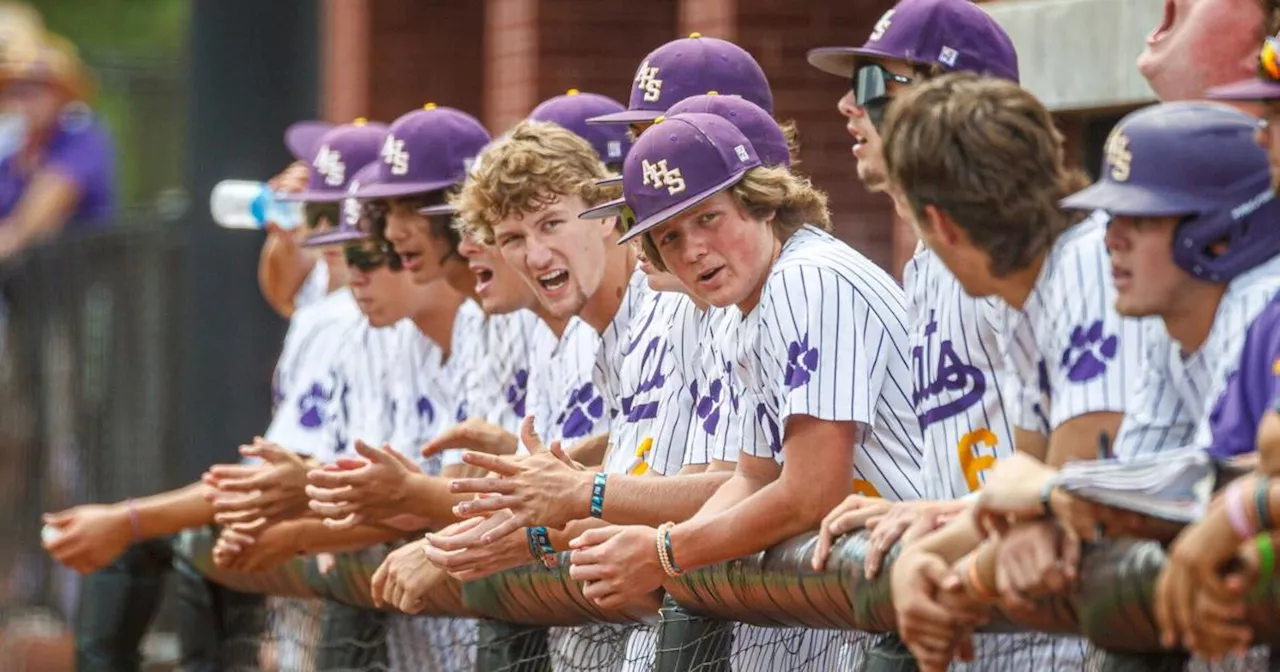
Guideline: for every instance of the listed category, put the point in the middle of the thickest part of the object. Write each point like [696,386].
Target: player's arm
[590,451]
[313,536]
[647,500]
[814,479]
[1079,438]
[283,266]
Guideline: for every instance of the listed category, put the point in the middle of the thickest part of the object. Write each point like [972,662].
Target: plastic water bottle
[241,204]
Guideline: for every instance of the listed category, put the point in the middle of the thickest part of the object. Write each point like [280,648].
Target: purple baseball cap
[680,162]
[338,155]
[349,230]
[760,128]
[1249,89]
[955,34]
[426,150]
[571,112]
[1197,161]
[691,66]
[302,138]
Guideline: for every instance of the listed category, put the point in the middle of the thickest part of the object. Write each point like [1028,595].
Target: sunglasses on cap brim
[870,86]
[366,256]
[1269,60]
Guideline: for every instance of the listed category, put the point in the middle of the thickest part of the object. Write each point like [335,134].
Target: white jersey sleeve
[1157,418]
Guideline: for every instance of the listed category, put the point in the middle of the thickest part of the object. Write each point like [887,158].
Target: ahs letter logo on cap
[647,81]
[1118,155]
[395,155]
[329,163]
[881,26]
[658,175]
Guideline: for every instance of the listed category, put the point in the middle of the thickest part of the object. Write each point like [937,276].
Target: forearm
[429,497]
[590,451]
[734,490]
[281,272]
[560,538]
[654,500]
[313,536]
[171,512]
[951,541]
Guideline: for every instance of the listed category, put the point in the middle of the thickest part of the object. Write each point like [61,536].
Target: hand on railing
[352,491]
[461,549]
[904,522]
[1033,561]
[851,514]
[618,564]
[935,617]
[273,491]
[404,579]
[258,546]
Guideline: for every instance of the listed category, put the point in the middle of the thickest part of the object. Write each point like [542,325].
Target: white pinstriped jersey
[626,417]
[674,424]
[361,385]
[829,340]
[301,386]
[561,384]
[1172,403]
[960,379]
[717,391]
[1071,352]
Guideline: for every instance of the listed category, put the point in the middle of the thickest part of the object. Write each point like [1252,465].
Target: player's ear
[944,228]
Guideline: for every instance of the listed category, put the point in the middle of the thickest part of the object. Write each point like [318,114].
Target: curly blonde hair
[535,165]
[792,200]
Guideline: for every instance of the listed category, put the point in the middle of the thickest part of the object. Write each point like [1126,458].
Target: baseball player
[697,188]
[960,381]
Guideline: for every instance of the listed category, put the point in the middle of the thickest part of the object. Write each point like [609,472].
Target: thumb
[58,519]
[529,436]
[558,451]
[369,453]
[345,464]
[940,575]
[402,460]
[271,452]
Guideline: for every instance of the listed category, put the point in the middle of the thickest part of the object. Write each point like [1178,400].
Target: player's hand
[1035,560]
[905,521]
[292,179]
[353,491]
[542,488]
[404,579]
[933,628]
[617,564]
[1013,492]
[91,536]
[849,515]
[1196,563]
[257,547]
[466,561]
[473,434]
[274,490]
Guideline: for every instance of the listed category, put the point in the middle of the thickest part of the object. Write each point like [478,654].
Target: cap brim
[840,61]
[339,237]
[1249,89]
[301,138]
[626,117]
[313,196]
[398,189]
[1131,200]
[604,210]
[663,215]
[442,209]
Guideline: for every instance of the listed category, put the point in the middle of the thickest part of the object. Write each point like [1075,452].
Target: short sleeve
[1156,419]
[1250,391]
[82,154]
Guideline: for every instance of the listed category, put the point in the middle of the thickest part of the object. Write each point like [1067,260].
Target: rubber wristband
[134,523]
[1236,515]
[597,495]
[1262,502]
[671,557]
[1266,562]
[548,556]
[533,544]
[974,580]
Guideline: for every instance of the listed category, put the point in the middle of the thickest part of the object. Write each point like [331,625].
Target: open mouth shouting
[484,277]
[553,281]
[1170,16]
[411,260]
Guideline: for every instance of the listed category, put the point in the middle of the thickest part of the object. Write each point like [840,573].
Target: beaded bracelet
[1266,562]
[597,495]
[663,541]
[1235,503]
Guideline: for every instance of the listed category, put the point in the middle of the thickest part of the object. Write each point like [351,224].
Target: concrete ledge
[1079,54]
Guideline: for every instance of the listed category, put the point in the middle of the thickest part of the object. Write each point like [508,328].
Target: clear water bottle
[241,204]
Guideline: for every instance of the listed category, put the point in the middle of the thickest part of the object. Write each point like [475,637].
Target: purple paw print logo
[708,406]
[586,406]
[802,360]
[770,428]
[1087,356]
[426,410]
[311,406]
[517,391]
[461,413]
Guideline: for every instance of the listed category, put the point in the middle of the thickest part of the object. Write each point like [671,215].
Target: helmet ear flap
[1250,229]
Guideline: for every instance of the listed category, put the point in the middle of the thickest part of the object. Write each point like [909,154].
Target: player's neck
[555,324]
[1189,325]
[1015,287]
[435,319]
[603,305]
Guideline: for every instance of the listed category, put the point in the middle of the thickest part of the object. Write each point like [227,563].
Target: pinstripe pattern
[616,347]
[673,428]
[564,388]
[960,379]
[714,389]
[1072,353]
[301,386]
[361,389]
[829,340]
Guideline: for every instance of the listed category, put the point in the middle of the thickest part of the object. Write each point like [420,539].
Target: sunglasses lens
[868,84]
[876,110]
[371,259]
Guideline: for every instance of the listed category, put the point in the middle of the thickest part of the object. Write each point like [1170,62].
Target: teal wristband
[597,495]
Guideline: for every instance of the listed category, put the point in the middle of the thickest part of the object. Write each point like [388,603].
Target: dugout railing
[88,385]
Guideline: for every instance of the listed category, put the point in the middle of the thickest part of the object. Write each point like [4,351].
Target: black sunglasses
[870,86]
[366,257]
[314,212]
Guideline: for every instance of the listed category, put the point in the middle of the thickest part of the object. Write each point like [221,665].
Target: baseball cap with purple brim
[349,230]
[954,34]
[339,153]
[680,162]
[302,138]
[756,124]
[426,150]
[688,67]
[1265,87]
[571,112]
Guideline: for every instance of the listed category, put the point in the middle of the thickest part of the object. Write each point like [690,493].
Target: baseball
[49,534]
